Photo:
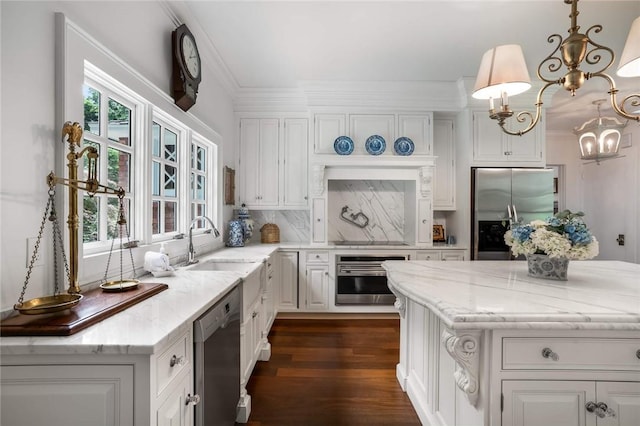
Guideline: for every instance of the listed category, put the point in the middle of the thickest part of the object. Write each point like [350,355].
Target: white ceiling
[281,44]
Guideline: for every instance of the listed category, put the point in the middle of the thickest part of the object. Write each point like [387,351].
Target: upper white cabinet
[273,162]
[491,146]
[294,158]
[328,126]
[444,183]
[259,162]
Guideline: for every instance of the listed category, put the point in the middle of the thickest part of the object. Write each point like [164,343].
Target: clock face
[190,56]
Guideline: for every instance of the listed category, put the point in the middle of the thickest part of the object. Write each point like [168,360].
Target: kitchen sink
[213,265]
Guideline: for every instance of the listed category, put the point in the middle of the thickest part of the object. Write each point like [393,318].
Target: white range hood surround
[418,170]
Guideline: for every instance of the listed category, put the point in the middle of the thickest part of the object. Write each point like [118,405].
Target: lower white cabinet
[579,403]
[98,389]
[317,287]
[287,288]
[445,254]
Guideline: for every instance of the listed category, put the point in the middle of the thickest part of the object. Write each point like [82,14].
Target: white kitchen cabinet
[268,296]
[327,127]
[259,162]
[316,288]
[287,287]
[38,390]
[293,176]
[444,254]
[175,409]
[532,403]
[416,127]
[318,231]
[273,162]
[493,147]
[41,395]
[252,320]
[444,180]
[425,220]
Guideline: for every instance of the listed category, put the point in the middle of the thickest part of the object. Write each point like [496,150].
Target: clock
[187,68]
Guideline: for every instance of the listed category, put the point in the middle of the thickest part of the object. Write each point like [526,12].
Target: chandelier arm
[593,56]
[633,99]
[551,62]
[522,116]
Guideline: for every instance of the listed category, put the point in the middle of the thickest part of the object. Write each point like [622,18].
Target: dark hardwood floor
[330,372]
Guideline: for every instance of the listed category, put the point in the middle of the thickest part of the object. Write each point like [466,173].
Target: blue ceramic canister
[236,234]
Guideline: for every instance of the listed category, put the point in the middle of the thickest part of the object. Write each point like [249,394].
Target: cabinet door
[249,161]
[425,214]
[41,394]
[317,287]
[444,177]
[535,403]
[268,162]
[364,125]
[528,147]
[294,152]
[623,398]
[489,141]
[327,128]
[287,289]
[418,129]
[174,411]
[318,221]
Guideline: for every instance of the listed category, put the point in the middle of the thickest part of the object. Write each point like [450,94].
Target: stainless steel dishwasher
[217,361]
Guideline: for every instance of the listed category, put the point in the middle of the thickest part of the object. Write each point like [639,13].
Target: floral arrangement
[563,235]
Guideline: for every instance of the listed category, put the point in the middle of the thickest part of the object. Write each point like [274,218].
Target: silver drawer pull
[548,353]
[638,354]
[195,399]
[177,360]
[600,409]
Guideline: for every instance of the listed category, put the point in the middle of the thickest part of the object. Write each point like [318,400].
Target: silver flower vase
[550,268]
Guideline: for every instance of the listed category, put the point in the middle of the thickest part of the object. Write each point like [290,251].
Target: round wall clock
[187,67]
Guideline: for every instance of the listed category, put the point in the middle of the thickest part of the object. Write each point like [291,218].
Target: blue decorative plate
[403,146]
[343,145]
[375,145]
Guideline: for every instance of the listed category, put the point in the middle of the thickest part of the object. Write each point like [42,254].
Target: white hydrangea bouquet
[564,235]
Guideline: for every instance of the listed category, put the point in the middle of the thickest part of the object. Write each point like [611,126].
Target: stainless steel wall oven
[361,280]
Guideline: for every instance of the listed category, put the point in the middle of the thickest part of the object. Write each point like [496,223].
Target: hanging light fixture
[600,137]
[503,72]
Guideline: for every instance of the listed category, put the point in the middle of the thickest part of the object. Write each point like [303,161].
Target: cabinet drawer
[570,354]
[171,362]
[428,255]
[317,257]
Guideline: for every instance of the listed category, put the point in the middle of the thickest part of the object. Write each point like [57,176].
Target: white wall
[138,33]
[609,193]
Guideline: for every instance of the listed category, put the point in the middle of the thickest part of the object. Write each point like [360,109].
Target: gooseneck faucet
[192,253]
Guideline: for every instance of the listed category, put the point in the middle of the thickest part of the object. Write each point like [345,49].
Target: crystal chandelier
[503,72]
[599,138]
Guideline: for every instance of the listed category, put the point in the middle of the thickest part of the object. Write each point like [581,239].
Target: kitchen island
[482,343]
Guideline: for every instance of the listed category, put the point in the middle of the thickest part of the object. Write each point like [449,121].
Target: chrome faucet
[192,253]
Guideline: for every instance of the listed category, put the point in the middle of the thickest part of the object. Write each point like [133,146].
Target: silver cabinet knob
[195,399]
[177,360]
[318,219]
[638,354]
[600,409]
[424,221]
[548,353]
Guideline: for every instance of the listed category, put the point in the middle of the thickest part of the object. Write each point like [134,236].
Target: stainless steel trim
[365,299]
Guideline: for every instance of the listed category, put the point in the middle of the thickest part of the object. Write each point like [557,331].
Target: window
[108,122]
[164,179]
[167,170]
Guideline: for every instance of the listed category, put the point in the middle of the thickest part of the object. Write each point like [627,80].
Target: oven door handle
[362,272]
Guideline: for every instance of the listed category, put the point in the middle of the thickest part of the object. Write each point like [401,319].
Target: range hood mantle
[417,168]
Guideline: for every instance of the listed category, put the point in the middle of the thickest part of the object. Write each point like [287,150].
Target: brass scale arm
[73,134]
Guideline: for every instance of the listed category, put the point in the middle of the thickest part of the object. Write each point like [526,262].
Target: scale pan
[48,304]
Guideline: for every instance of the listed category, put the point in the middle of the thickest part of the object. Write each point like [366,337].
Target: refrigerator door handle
[509,211]
[515,214]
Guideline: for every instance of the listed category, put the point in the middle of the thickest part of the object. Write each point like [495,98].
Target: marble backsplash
[293,224]
[381,201]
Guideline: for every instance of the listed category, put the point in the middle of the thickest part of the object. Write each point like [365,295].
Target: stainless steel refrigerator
[501,196]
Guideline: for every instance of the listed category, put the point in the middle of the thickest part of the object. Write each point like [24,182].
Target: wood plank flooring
[330,372]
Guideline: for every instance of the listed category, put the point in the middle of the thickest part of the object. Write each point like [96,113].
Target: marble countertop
[500,294]
[152,323]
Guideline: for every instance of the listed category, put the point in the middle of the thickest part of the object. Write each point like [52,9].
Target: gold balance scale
[61,301]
